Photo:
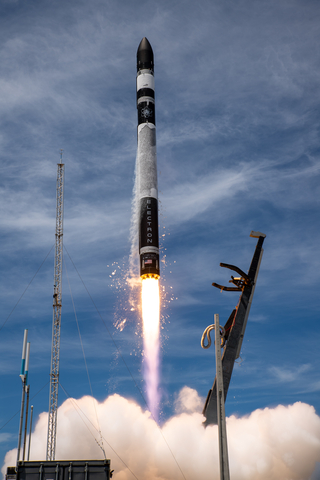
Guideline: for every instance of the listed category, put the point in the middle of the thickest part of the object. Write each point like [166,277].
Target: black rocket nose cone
[144,55]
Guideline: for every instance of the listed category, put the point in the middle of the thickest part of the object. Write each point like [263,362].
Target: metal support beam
[223,446]
[220,334]
[30,431]
[21,416]
[26,423]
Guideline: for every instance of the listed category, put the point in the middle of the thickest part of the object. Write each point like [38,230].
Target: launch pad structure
[236,324]
[230,337]
[52,469]
[221,414]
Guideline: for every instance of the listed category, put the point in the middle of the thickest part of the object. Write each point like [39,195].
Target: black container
[61,470]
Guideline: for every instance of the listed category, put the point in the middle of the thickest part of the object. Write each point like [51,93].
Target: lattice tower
[56,323]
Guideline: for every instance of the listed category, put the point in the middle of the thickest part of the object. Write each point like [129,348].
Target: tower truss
[56,322]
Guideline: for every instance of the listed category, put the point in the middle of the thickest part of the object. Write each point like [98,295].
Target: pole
[23,376]
[223,447]
[26,424]
[29,446]
[21,417]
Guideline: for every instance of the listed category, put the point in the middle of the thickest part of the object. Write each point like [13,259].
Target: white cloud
[188,401]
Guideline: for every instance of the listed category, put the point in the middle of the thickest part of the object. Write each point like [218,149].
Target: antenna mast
[56,322]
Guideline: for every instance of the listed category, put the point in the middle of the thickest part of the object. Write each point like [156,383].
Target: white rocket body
[147,164]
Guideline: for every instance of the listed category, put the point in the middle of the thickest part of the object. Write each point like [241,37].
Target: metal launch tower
[56,322]
[52,469]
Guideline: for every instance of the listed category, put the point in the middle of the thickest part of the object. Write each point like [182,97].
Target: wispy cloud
[283,374]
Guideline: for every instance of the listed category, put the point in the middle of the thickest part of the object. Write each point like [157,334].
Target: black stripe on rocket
[146,113]
[145,100]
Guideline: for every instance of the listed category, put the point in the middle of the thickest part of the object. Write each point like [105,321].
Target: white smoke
[188,401]
[281,443]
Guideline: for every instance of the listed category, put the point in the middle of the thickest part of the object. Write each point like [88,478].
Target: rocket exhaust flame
[150,300]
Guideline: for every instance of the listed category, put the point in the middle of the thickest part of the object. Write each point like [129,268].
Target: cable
[206,333]
[77,408]
[85,361]
[25,290]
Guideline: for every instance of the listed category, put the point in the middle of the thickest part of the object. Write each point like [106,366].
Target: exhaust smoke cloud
[281,443]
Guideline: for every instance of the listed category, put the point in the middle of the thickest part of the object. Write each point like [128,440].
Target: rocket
[146,168]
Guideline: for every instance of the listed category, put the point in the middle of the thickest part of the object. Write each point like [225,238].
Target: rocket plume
[150,301]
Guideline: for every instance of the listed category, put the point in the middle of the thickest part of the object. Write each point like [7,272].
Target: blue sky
[237,110]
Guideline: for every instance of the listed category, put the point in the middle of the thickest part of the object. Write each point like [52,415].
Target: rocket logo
[146,112]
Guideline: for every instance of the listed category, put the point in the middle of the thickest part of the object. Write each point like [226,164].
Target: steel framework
[56,322]
[236,325]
